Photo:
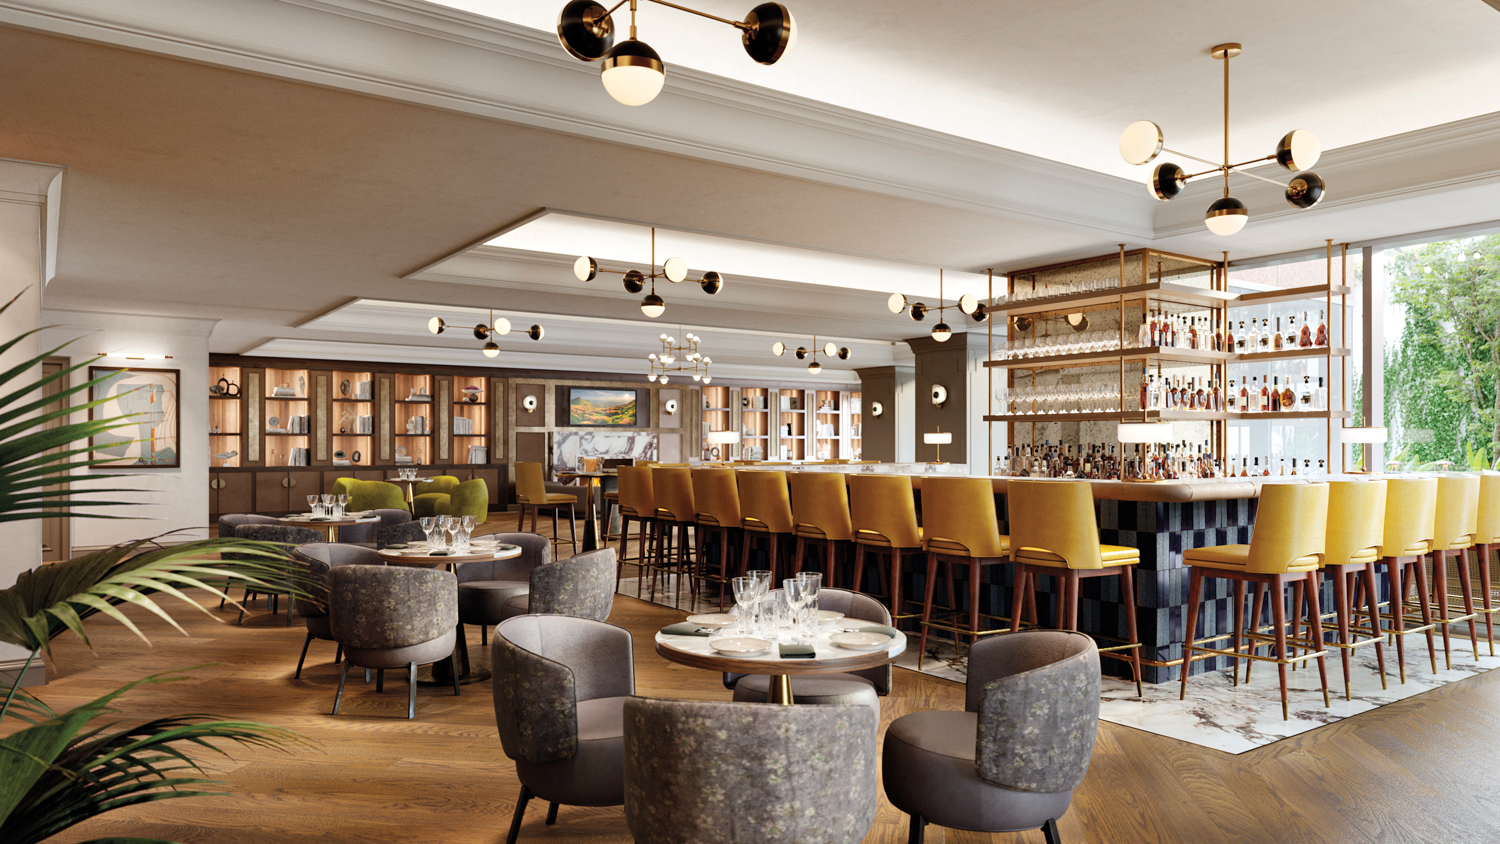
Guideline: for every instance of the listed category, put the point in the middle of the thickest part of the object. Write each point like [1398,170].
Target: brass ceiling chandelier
[802,352]
[1142,141]
[967,303]
[632,72]
[674,270]
[682,360]
[496,328]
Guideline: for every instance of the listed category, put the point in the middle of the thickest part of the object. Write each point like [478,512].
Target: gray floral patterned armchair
[582,586]
[393,617]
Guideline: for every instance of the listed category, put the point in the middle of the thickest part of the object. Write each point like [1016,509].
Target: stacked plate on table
[857,641]
[740,646]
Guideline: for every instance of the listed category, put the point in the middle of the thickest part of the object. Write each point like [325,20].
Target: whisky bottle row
[1178,331]
[1254,395]
[1264,339]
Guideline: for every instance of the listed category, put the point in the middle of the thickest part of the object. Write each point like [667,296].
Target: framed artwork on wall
[149,398]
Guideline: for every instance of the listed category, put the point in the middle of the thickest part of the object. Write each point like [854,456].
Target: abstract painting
[149,397]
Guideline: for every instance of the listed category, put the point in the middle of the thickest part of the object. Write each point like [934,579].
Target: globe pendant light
[488,331]
[941,332]
[1142,141]
[675,270]
[653,306]
[829,349]
[632,72]
[490,349]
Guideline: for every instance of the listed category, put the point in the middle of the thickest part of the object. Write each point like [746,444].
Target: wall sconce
[938,438]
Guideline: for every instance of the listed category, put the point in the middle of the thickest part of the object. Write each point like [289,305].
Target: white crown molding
[445,58]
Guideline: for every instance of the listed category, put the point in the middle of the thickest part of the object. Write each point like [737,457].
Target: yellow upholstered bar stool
[676,514]
[1410,525]
[611,499]
[638,504]
[1487,542]
[531,491]
[1356,528]
[1291,530]
[765,513]
[717,497]
[1053,531]
[1455,524]
[820,515]
[883,512]
[960,526]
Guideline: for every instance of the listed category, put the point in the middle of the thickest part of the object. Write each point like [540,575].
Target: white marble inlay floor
[1219,715]
[1216,713]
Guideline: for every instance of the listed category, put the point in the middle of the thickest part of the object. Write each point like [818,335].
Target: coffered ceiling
[267,162]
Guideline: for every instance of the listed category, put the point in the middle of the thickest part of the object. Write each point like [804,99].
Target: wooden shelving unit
[755,423]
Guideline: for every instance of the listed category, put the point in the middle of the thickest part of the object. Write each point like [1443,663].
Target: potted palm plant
[60,768]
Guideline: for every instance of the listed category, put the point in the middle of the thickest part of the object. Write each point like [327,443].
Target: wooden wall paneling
[539,417]
[531,447]
[236,492]
[270,491]
[442,420]
[252,396]
[669,448]
[322,410]
[300,484]
[499,415]
[385,387]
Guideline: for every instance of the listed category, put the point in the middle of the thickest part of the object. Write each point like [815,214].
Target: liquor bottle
[1230,397]
[1265,398]
[1320,398]
[1192,333]
[1305,400]
[1275,404]
[1255,470]
[1282,469]
[1145,387]
[1321,339]
[1200,398]
[1305,339]
[1265,335]
[1245,397]
[1143,336]
[1294,467]
[1276,341]
[1245,467]
[1239,342]
[1288,396]
[1216,398]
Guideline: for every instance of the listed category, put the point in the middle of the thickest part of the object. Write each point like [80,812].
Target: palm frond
[56,784]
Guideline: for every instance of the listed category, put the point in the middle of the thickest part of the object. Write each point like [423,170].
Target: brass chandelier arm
[736,24]
[1212,164]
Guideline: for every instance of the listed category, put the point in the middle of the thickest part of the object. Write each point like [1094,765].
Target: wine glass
[811,583]
[795,593]
[429,524]
[312,504]
[343,501]
[746,593]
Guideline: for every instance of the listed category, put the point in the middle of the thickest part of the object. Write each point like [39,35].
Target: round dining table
[828,658]
[418,555]
[411,497]
[593,537]
[330,525]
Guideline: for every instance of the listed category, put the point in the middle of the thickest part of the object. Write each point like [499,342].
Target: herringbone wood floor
[1418,771]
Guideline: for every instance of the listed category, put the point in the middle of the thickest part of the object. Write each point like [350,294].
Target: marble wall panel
[569,448]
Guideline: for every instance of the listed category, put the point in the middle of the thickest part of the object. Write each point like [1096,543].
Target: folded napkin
[790,651]
[319,519]
[876,628]
[400,547]
[684,628]
[437,553]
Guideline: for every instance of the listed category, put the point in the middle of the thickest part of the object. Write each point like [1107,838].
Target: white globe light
[676,269]
[651,378]
[896,304]
[651,356]
[1226,216]
[707,378]
[653,306]
[779,349]
[584,269]
[941,332]
[830,349]
[707,361]
[1140,142]
[436,325]
[1299,150]
[815,367]
[502,326]
[491,350]
[662,379]
[697,377]
[632,80]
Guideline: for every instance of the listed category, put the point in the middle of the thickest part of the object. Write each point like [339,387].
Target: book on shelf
[405,460]
[478,454]
[854,405]
[364,424]
[299,457]
[463,426]
[363,390]
[340,461]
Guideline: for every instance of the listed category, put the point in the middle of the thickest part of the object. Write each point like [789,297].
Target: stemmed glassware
[762,580]
[452,527]
[429,526]
[795,593]
[312,505]
[343,502]
[810,583]
[746,594]
[466,524]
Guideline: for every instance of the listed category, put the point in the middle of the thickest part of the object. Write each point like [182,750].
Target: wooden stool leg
[745,552]
[1424,600]
[1296,618]
[1372,605]
[1314,602]
[1439,599]
[1127,595]
[1393,576]
[1074,582]
[832,566]
[1018,596]
[1467,588]
[929,590]
[974,571]
[1344,609]
[895,581]
[1256,609]
[1030,587]
[797,556]
[1484,584]
[1278,622]
[1239,623]
[572,527]
[1195,592]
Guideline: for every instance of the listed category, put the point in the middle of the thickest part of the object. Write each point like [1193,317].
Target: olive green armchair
[370,495]
[470,498]
[438,489]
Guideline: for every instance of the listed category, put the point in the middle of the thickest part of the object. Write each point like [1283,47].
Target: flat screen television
[603,408]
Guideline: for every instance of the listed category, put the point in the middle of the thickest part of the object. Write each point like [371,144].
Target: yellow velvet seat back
[673,486]
[820,506]
[1051,521]
[1455,519]
[1410,516]
[637,495]
[765,503]
[717,496]
[1356,522]
[883,511]
[531,487]
[959,518]
[1290,525]
[1487,526]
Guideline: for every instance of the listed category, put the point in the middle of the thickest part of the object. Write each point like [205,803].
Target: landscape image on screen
[601,407]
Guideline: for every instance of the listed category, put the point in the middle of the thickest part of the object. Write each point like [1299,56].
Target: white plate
[712,621]
[740,646]
[860,641]
[826,616]
[854,624]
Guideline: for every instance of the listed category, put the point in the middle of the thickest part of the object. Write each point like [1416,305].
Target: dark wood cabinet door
[270,491]
[370,474]
[300,484]
[213,495]
[235,492]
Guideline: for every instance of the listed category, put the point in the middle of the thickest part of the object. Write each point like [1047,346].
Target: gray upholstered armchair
[229,522]
[582,586]
[699,772]
[862,687]
[560,685]
[1011,759]
[392,617]
[318,558]
[284,534]
[483,588]
[399,533]
[366,534]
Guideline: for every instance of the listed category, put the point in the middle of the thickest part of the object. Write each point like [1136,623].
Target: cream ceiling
[267,161]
